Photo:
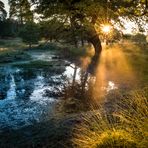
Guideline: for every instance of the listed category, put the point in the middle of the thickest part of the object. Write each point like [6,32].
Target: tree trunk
[94,39]
[74,77]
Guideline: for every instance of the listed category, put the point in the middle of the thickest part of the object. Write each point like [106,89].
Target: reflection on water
[29,96]
[11,93]
[26,99]
[38,92]
[110,86]
[69,72]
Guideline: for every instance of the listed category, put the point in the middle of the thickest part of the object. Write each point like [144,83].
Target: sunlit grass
[127,128]
[97,131]
[133,112]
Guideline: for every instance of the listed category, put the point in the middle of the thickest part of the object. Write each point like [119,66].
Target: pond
[29,95]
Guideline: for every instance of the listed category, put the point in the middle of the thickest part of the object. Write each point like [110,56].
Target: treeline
[62,21]
[9,28]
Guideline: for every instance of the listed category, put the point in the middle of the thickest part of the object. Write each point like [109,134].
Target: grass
[133,112]
[123,124]
[51,66]
[14,43]
[47,46]
[126,128]
[12,50]
[8,56]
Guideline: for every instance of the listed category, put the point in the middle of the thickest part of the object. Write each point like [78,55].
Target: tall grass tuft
[133,114]
[127,128]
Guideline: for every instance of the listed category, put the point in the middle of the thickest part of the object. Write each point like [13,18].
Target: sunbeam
[113,71]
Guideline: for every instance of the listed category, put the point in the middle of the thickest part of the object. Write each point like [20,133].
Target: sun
[106,28]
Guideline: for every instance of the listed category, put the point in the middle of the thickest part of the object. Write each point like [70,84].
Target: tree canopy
[30,33]
[84,15]
[21,10]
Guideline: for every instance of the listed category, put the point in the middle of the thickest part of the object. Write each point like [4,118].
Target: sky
[6,6]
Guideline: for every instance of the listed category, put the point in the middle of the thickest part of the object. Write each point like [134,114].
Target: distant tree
[30,33]
[51,29]
[8,28]
[139,38]
[21,10]
[3,13]
[127,36]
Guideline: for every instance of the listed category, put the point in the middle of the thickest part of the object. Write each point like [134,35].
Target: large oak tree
[84,15]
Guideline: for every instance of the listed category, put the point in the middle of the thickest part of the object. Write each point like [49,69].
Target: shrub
[30,33]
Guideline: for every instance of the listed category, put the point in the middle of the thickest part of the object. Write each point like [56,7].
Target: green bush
[140,38]
[30,33]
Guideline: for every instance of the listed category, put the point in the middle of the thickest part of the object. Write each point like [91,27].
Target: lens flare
[106,29]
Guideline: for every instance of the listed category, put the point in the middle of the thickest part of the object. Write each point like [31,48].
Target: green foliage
[139,38]
[127,36]
[30,33]
[20,9]
[51,29]
[85,14]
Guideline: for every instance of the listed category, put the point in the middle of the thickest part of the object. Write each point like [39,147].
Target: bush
[30,33]
[140,38]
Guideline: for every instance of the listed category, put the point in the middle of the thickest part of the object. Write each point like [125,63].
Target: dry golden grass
[128,128]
